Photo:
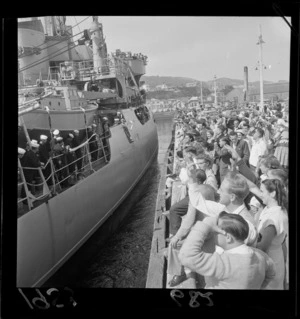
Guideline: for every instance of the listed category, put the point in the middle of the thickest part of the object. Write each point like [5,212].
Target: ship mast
[99,45]
[259,43]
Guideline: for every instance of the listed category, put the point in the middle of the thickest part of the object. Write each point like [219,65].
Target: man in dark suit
[201,126]
[240,146]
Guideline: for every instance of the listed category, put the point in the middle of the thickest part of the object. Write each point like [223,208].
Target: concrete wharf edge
[157,270]
[156,276]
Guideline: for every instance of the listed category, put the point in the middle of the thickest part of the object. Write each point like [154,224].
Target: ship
[65,89]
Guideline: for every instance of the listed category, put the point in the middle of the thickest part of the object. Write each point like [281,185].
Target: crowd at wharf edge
[230,225]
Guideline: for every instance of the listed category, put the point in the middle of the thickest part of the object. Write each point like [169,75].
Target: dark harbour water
[122,261]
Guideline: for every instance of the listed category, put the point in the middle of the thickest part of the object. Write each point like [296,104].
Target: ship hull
[52,232]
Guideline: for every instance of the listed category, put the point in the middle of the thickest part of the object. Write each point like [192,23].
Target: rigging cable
[49,56]
[61,40]
[24,69]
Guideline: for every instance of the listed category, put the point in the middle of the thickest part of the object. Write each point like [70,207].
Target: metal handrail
[56,182]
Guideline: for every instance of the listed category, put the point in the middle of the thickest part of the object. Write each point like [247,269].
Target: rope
[61,40]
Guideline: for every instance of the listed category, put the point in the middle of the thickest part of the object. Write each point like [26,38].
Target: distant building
[191,84]
[161,87]
[273,91]
[194,102]
[146,87]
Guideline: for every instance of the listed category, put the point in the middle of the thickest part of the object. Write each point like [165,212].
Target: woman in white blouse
[273,227]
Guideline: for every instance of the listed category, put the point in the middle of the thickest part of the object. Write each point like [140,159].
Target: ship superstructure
[99,98]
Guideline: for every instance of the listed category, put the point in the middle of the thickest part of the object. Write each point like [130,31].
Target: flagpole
[201,94]
[260,42]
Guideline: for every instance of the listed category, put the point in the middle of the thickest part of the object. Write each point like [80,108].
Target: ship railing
[62,177]
[86,69]
[30,197]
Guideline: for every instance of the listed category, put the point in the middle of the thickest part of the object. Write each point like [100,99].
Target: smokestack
[245,82]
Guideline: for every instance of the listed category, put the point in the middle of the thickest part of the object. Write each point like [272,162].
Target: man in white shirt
[233,190]
[259,148]
[238,267]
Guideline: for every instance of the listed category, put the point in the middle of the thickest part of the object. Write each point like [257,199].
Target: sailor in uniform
[106,135]
[60,161]
[44,155]
[70,156]
[30,160]
[78,152]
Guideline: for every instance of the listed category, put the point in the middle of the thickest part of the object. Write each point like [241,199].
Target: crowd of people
[230,225]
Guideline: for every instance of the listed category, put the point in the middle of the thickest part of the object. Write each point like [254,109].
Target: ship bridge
[111,67]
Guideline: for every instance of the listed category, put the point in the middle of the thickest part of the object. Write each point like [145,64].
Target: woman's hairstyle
[221,127]
[200,176]
[270,161]
[260,131]
[225,139]
[198,147]
[210,147]
[277,186]
[191,137]
[210,132]
[281,174]
[279,114]
[205,157]
[237,185]
[190,149]
[232,133]
[235,225]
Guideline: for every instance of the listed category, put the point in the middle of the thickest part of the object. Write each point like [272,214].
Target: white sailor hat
[71,135]
[43,137]
[94,125]
[56,132]
[21,151]
[76,131]
[105,118]
[89,127]
[59,139]
[34,143]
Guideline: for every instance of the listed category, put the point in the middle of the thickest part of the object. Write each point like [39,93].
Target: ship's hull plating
[52,232]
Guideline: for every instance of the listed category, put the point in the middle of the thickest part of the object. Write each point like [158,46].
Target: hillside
[256,83]
[153,81]
[226,81]
[171,81]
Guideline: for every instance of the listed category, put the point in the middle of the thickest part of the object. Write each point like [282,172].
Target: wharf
[157,270]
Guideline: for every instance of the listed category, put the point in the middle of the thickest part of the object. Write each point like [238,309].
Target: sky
[200,47]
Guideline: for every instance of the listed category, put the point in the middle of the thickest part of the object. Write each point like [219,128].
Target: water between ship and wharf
[121,259]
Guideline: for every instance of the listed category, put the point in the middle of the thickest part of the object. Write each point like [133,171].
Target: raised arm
[186,225]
